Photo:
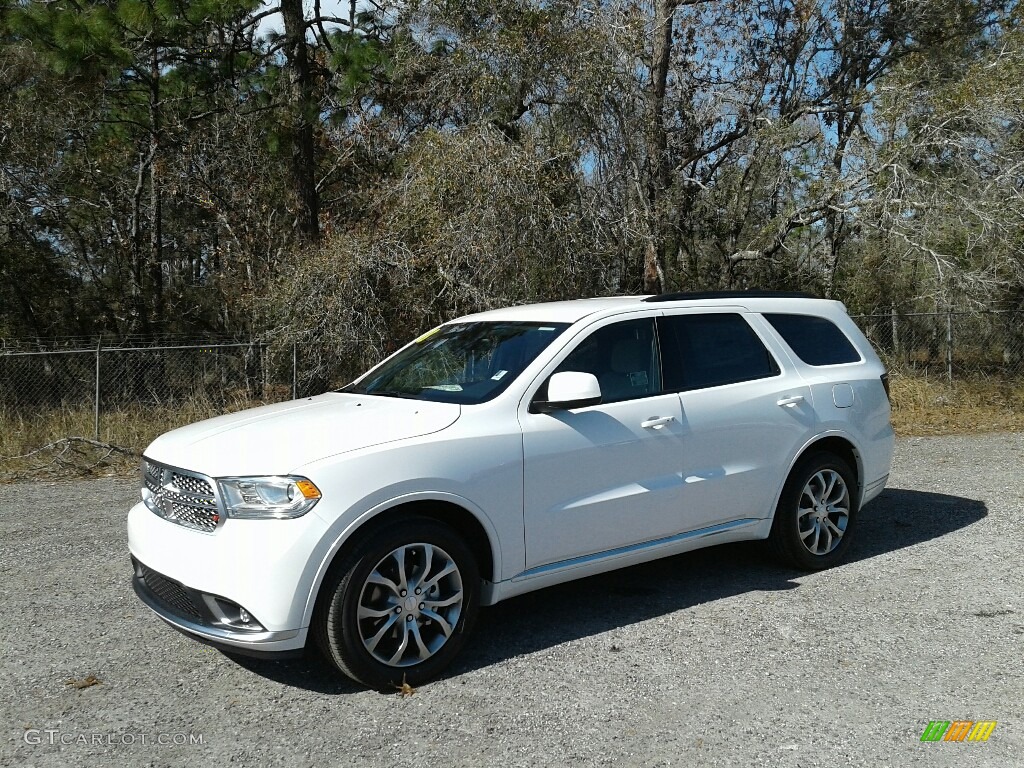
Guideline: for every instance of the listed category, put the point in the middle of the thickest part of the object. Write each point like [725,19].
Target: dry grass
[924,406]
[33,445]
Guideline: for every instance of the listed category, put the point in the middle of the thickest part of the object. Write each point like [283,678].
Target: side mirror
[569,389]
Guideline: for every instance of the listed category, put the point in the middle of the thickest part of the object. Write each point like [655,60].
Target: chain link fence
[949,345]
[113,378]
[127,393]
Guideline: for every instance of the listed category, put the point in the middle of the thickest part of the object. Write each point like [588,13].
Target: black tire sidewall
[785,537]
[337,629]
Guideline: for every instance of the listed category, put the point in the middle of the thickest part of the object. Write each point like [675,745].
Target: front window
[460,363]
[623,357]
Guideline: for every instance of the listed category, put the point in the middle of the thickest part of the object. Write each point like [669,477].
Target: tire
[816,515]
[375,626]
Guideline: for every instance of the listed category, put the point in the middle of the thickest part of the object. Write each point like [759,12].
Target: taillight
[885,385]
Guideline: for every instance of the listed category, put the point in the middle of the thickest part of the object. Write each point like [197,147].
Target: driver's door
[609,475]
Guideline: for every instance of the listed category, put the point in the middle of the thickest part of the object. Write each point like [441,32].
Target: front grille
[170,593]
[182,497]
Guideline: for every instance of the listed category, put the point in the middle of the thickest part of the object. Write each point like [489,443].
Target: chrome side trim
[611,554]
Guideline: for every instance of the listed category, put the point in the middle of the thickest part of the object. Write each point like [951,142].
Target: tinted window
[623,357]
[816,340]
[710,350]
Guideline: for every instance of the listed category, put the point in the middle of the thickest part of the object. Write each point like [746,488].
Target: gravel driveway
[711,658]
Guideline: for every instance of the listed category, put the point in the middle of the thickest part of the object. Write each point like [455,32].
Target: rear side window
[816,340]
[711,350]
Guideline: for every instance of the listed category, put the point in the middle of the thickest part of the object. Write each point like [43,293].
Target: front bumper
[198,582]
[189,614]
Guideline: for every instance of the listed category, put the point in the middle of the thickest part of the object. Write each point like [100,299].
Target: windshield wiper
[389,393]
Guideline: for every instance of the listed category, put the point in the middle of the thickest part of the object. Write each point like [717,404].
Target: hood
[279,439]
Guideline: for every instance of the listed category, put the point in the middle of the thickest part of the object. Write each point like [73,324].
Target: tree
[947,216]
[34,281]
[443,156]
[326,60]
[145,61]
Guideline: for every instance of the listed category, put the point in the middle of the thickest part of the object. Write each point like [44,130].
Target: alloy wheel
[410,604]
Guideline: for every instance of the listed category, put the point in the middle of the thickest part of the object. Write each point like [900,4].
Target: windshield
[460,363]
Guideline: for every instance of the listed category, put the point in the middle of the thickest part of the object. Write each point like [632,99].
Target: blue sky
[327,8]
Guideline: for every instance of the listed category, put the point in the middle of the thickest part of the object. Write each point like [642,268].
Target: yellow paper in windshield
[427,335]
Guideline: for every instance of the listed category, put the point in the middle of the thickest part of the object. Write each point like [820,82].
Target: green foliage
[473,153]
[76,41]
[357,60]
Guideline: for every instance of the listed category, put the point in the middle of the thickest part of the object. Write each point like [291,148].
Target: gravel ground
[713,658]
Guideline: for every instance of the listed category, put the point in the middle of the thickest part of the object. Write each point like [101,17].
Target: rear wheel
[398,608]
[815,517]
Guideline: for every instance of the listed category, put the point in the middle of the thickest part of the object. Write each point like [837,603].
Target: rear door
[745,411]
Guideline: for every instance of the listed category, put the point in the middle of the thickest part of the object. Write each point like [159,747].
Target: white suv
[508,451]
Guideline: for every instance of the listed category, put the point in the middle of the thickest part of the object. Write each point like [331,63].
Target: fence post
[96,396]
[895,330]
[265,363]
[295,371]
[949,346]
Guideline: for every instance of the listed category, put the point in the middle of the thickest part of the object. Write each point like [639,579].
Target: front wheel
[815,517]
[398,608]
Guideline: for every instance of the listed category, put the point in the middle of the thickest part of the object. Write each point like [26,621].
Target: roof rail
[752,294]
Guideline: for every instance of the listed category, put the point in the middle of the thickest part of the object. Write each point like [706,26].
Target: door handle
[657,422]
[789,401]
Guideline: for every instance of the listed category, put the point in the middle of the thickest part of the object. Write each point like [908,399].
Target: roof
[577,309]
[753,294]
[559,311]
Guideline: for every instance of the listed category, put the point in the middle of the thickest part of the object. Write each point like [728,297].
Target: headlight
[277,498]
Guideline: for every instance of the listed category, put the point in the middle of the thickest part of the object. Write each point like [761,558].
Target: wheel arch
[479,536]
[842,447]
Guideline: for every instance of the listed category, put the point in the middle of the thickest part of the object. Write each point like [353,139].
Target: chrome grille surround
[180,496]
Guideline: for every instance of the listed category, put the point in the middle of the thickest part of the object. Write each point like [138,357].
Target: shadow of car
[897,519]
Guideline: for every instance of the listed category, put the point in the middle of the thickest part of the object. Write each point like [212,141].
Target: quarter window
[815,340]
[710,350]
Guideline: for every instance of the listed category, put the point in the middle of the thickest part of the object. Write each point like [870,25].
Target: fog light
[230,614]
